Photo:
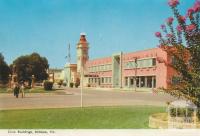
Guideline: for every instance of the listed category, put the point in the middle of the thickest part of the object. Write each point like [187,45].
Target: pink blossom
[179,28]
[170,20]
[158,34]
[182,18]
[190,27]
[196,6]
[173,3]
[190,11]
[169,35]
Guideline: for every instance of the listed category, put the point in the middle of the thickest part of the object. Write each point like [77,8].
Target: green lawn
[91,117]
[3,90]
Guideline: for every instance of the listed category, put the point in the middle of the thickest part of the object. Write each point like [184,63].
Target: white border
[100,132]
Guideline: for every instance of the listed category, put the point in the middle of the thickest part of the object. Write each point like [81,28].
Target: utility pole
[136,73]
[82,69]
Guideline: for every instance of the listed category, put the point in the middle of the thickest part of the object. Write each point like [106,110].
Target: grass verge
[91,117]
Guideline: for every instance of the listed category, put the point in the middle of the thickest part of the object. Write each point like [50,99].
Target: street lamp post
[136,73]
[10,79]
[81,86]
[82,70]
[33,78]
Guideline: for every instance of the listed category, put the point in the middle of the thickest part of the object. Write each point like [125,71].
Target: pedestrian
[16,90]
[22,89]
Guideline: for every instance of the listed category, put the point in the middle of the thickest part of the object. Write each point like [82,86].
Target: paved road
[71,98]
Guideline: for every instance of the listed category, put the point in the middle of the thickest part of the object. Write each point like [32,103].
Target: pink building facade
[141,69]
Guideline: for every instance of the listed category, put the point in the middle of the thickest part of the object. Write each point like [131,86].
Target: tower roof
[83,40]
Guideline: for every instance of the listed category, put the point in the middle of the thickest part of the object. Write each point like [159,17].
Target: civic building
[141,69]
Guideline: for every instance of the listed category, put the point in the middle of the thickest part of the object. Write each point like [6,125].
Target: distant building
[141,69]
[70,74]
[55,75]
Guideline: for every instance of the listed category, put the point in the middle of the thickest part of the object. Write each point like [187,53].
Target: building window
[104,68]
[106,81]
[107,67]
[154,62]
[109,79]
[126,81]
[102,80]
[142,81]
[149,81]
[95,80]
[142,63]
[90,80]
[100,68]
[148,62]
[95,68]
[132,64]
[132,81]
[110,67]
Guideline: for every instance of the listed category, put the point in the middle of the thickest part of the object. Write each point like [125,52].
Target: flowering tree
[182,43]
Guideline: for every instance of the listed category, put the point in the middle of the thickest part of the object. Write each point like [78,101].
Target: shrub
[77,84]
[64,84]
[27,87]
[60,83]
[71,85]
[48,85]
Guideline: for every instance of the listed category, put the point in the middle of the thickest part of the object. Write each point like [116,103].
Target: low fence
[156,122]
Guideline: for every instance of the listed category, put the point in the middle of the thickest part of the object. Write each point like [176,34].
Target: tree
[29,65]
[4,70]
[183,44]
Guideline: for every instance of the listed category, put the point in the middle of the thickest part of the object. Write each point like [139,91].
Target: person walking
[16,90]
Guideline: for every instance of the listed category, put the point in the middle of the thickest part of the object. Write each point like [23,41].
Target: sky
[48,26]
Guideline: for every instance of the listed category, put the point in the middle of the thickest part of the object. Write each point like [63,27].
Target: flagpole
[82,83]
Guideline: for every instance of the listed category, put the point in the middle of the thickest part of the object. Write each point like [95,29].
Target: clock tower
[82,52]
